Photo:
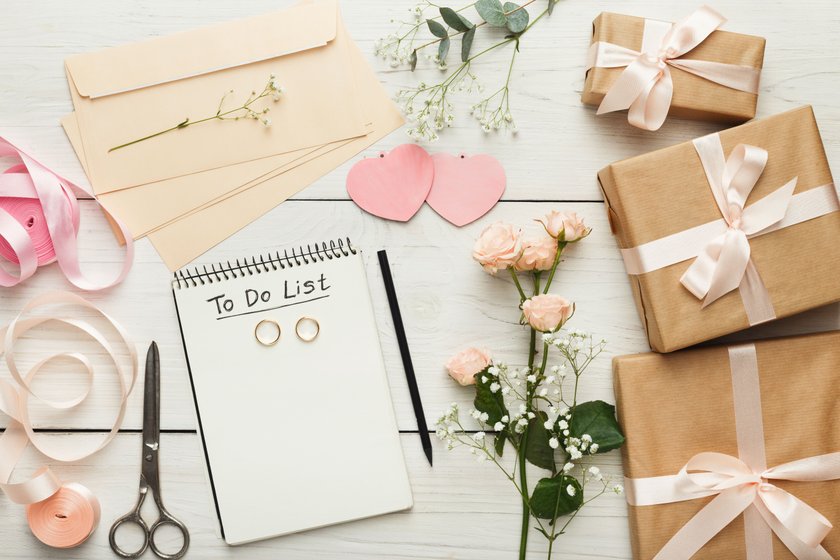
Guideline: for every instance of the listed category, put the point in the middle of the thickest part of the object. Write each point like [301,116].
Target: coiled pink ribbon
[645,86]
[721,249]
[39,222]
[44,491]
[742,485]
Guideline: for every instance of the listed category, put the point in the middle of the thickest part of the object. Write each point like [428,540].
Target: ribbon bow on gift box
[645,86]
[721,248]
[742,485]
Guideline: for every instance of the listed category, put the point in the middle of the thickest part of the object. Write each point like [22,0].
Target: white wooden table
[462,509]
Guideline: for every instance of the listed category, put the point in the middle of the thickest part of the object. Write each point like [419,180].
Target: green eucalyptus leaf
[455,20]
[466,44]
[412,61]
[597,419]
[551,4]
[443,48]
[492,12]
[517,18]
[488,401]
[537,450]
[437,29]
[551,498]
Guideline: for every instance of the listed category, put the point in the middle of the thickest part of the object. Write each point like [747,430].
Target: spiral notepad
[300,434]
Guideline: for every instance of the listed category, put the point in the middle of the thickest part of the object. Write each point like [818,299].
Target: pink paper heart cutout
[465,188]
[395,184]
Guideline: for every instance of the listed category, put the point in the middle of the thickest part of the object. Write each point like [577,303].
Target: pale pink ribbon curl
[721,249]
[39,222]
[645,87]
[742,485]
[76,503]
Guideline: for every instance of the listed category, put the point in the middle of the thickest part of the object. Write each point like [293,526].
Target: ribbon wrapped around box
[733,452]
[728,231]
[690,68]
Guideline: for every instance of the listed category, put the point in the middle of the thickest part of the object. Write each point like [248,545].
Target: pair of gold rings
[267,332]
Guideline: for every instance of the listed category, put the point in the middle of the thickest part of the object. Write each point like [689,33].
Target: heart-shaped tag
[393,185]
[465,188]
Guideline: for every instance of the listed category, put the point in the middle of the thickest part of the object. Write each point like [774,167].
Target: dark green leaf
[551,498]
[437,29]
[466,44]
[537,450]
[499,442]
[551,6]
[455,20]
[488,401]
[492,12]
[443,49]
[517,18]
[413,60]
[597,419]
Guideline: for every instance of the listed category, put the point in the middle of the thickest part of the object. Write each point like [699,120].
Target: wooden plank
[561,143]
[448,303]
[462,510]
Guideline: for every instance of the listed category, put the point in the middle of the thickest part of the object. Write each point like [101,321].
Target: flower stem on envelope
[245,111]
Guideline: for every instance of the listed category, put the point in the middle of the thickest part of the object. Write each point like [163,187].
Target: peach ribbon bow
[645,86]
[742,485]
[720,249]
[725,262]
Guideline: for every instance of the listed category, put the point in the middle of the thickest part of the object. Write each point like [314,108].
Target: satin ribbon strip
[44,488]
[721,248]
[742,485]
[645,87]
[39,223]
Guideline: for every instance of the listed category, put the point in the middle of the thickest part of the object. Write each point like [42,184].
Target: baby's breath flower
[570,490]
[593,449]
[553,443]
[568,467]
[618,489]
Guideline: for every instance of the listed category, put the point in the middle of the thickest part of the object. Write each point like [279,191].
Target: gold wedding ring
[271,332]
[307,329]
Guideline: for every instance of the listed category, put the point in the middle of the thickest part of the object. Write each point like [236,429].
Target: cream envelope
[128,92]
[185,239]
[140,208]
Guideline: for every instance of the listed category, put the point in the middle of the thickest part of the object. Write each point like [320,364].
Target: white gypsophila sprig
[429,108]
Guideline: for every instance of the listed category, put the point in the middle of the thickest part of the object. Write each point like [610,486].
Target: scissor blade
[151,401]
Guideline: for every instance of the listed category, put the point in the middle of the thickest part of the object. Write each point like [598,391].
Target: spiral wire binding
[191,278]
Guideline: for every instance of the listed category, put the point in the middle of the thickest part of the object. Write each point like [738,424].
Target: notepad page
[297,435]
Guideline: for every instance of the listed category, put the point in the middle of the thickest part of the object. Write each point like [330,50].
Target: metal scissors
[149,473]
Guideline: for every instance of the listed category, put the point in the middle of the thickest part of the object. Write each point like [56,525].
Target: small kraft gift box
[649,66]
[733,452]
[727,231]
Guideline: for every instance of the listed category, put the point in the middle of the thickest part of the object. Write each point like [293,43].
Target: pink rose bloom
[547,312]
[537,254]
[565,226]
[463,366]
[498,247]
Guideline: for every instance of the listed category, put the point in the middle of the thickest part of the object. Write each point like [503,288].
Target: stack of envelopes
[189,189]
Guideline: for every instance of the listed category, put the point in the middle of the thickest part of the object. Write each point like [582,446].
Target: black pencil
[406,355]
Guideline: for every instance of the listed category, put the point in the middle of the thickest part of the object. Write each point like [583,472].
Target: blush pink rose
[463,366]
[565,226]
[537,254]
[547,312]
[498,247]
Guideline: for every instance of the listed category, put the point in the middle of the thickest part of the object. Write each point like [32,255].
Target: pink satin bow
[59,210]
[645,87]
[741,485]
[725,262]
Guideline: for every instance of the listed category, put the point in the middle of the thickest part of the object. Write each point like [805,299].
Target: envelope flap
[205,50]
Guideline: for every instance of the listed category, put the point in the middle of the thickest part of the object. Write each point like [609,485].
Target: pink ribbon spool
[39,222]
[67,518]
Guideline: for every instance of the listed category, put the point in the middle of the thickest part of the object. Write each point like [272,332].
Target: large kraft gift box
[674,406]
[694,97]
[664,192]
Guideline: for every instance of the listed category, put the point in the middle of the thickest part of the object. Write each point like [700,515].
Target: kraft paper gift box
[674,406]
[663,212]
[694,97]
